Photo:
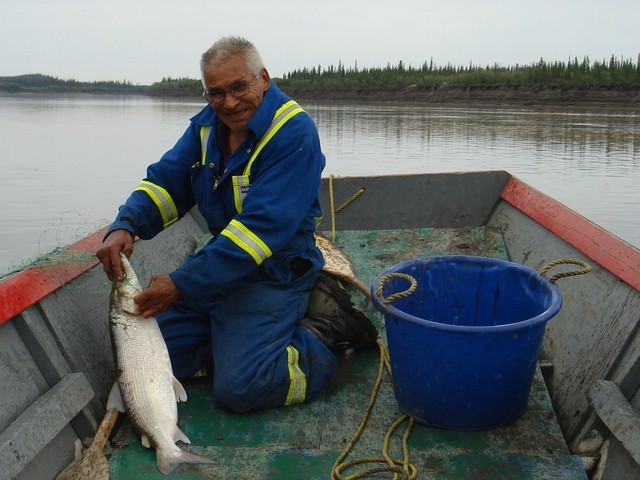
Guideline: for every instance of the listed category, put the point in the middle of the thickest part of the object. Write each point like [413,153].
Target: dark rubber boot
[332,318]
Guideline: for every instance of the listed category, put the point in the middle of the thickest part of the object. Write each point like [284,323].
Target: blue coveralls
[243,294]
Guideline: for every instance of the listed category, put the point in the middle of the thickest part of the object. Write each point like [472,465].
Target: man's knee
[230,394]
[187,361]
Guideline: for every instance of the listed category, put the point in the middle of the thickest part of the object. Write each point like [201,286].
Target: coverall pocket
[286,269]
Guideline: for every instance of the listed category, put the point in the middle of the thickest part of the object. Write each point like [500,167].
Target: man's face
[232,76]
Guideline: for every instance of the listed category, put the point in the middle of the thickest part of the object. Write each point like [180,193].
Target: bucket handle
[562,261]
[586,268]
[395,296]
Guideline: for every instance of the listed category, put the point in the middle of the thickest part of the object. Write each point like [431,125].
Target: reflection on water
[587,159]
[437,138]
[69,161]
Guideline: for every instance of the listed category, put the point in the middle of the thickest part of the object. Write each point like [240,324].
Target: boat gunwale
[25,288]
[610,252]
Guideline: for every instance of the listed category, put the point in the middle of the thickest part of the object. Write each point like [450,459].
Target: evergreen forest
[614,73]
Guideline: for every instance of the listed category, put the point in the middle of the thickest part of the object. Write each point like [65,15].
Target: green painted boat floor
[304,441]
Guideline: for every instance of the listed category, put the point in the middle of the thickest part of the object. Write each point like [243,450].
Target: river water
[68,162]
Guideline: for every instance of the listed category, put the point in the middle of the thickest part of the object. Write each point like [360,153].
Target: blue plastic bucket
[464,345]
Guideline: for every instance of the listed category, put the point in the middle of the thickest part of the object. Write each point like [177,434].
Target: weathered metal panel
[30,364]
[584,340]
[166,251]
[21,441]
[616,463]
[77,316]
[41,344]
[43,347]
[618,415]
[53,457]
[449,200]
[625,373]
[19,375]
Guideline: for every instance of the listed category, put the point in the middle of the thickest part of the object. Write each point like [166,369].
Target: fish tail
[168,461]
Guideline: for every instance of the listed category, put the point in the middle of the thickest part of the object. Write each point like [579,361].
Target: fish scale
[156,389]
[146,388]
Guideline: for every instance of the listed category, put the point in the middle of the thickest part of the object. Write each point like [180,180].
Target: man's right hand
[109,253]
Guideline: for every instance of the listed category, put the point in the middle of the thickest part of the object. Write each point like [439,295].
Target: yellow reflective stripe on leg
[163,201]
[247,241]
[297,378]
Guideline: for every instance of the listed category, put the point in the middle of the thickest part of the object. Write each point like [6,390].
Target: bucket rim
[546,315]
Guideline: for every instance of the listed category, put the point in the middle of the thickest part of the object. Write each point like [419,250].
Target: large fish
[146,388]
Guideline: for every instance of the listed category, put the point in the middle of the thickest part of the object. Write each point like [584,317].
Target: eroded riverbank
[615,96]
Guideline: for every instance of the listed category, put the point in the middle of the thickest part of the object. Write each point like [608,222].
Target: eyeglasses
[217,95]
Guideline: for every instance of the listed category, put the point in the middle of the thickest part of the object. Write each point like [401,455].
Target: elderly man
[252,301]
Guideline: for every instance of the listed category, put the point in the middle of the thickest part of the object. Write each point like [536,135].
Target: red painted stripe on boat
[612,253]
[27,287]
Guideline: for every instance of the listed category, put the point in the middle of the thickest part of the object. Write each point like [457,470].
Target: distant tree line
[573,73]
[176,87]
[39,83]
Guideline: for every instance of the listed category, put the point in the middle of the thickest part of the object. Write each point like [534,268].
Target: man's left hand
[161,295]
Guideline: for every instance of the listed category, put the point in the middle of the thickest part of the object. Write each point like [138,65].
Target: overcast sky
[142,41]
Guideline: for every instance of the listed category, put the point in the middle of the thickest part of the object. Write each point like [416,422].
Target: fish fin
[179,436]
[167,462]
[115,398]
[145,441]
[181,394]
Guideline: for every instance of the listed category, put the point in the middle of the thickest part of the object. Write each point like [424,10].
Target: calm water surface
[68,162]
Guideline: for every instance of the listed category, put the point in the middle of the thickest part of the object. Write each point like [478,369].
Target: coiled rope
[390,465]
[397,467]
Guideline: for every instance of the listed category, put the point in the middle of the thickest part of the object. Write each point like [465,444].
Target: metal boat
[582,417]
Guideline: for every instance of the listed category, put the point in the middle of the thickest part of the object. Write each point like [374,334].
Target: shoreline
[536,95]
[617,96]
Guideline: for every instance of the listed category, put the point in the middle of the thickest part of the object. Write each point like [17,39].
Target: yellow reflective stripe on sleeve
[283,114]
[297,378]
[163,201]
[247,240]
[205,133]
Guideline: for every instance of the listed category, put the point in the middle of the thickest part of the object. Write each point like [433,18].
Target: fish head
[125,289]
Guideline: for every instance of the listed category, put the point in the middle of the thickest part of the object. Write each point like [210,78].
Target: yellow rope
[566,261]
[346,203]
[402,467]
[341,207]
[395,296]
[333,213]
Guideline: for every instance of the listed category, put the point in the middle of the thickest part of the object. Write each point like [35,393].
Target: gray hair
[228,47]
